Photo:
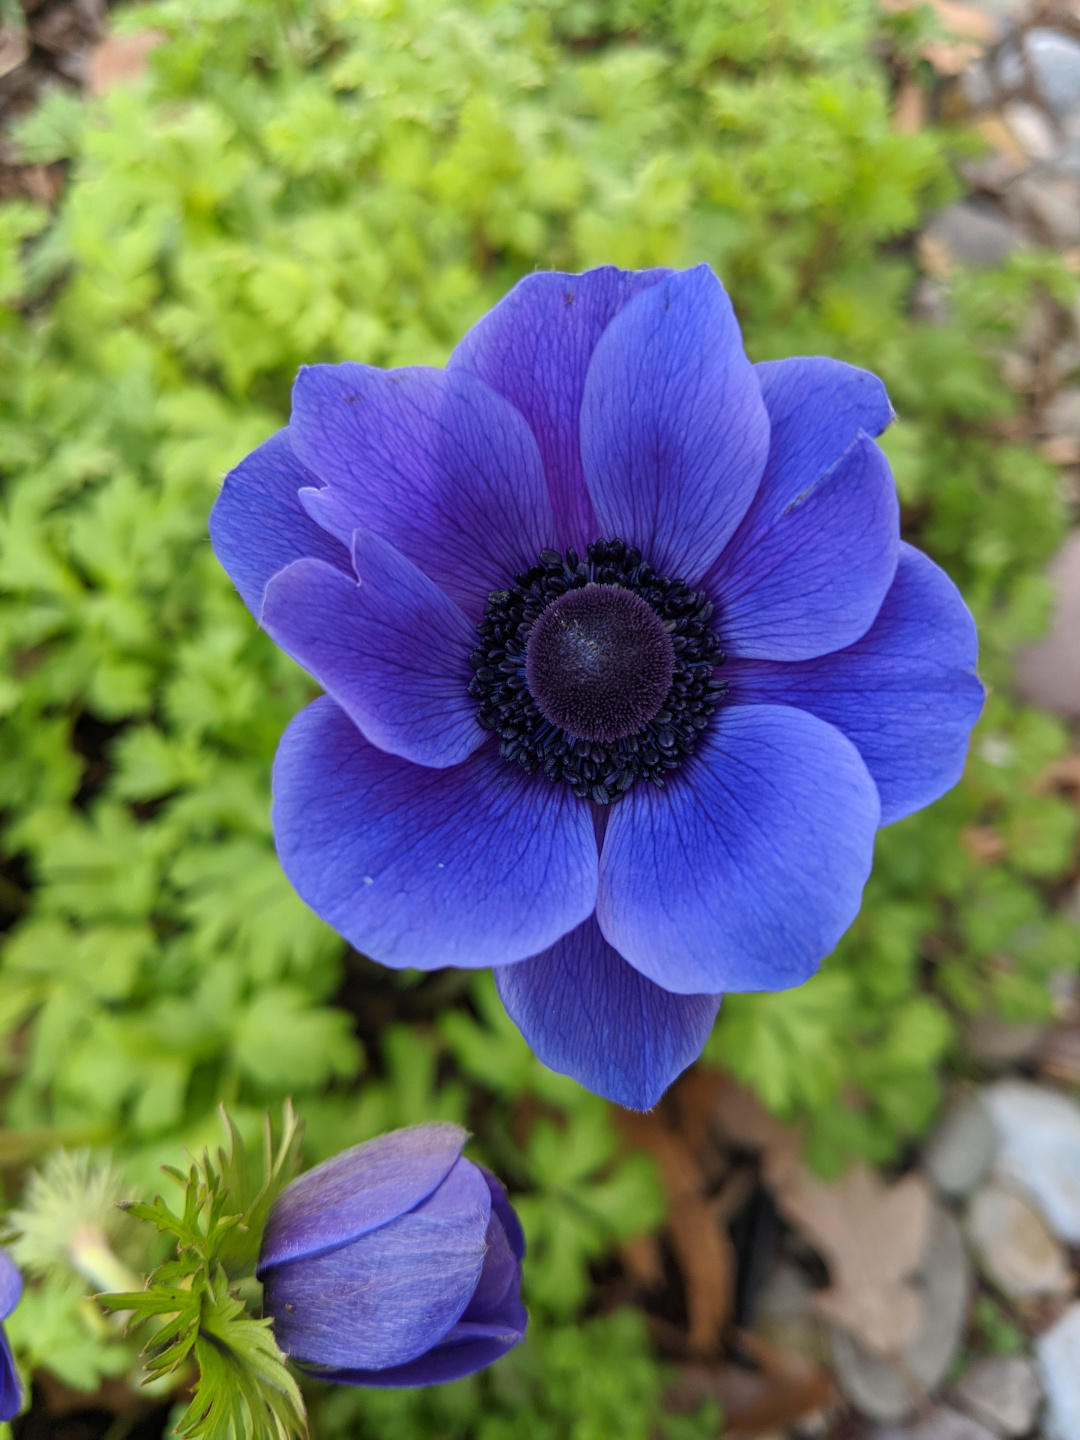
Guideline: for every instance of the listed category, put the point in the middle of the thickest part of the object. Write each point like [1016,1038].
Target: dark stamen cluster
[594,770]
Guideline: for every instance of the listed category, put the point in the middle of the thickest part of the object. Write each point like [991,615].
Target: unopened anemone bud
[10,1293]
[396,1263]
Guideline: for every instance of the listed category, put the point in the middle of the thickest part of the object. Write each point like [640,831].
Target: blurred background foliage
[306,180]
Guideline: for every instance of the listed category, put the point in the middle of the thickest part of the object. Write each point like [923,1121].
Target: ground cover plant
[330,179]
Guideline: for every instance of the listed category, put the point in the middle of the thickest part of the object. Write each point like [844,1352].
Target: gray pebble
[1014,1244]
[1058,1354]
[961,1148]
[1055,67]
[1002,1393]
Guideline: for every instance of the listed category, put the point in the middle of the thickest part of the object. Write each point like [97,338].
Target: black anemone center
[599,670]
[599,663]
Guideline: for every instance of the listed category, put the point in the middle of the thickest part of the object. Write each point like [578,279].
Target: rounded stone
[1057,1351]
[1003,1393]
[1038,1132]
[1014,1244]
[599,663]
[961,1149]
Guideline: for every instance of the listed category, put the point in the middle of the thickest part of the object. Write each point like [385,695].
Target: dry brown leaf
[695,1096]
[983,843]
[119,58]
[1000,138]
[1061,450]
[640,1256]
[1059,1054]
[679,1171]
[969,31]
[1061,774]
[967,20]
[702,1248]
[872,1237]
[747,1124]
[14,49]
[754,1402]
[909,112]
[934,257]
[706,1259]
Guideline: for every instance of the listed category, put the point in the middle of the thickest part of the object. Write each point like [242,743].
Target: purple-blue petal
[674,433]
[585,1012]
[501,1206]
[258,524]
[501,1271]
[10,1390]
[433,461]
[746,870]
[450,1360]
[392,1294]
[360,1190]
[11,1285]
[806,575]
[817,407]
[906,694]
[492,1323]
[390,647]
[472,866]
[534,349]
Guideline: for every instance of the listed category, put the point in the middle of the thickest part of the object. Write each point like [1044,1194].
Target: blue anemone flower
[625,661]
[11,1286]
[396,1263]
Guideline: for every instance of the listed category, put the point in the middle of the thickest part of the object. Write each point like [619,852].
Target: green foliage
[998,1333]
[306,180]
[243,1387]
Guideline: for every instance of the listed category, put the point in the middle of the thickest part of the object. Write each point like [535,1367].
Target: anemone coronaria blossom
[396,1263]
[625,661]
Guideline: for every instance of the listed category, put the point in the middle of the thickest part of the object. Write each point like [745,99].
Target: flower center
[599,663]
[599,670]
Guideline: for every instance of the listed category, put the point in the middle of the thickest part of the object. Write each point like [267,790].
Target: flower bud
[396,1263]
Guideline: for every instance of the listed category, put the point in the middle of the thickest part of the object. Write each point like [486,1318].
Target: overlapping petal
[388,1297]
[498,1275]
[748,868]
[809,567]
[360,1190]
[389,646]
[433,461]
[585,1012]
[674,433]
[817,406]
[11,1285]
[471,866]
[258,524]
[501,1207]
[492,1323]
[906,694]
[459,1354]
[534,349]
[10,1389]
